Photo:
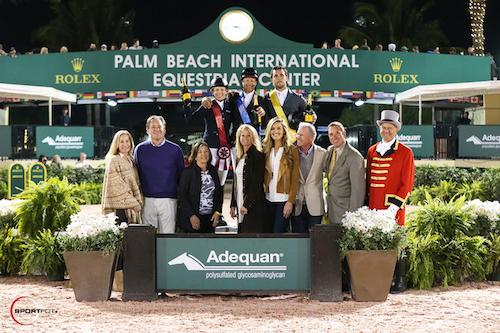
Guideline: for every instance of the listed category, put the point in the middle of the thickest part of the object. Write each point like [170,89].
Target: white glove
[393,209]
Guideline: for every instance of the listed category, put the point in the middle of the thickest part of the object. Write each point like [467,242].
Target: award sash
[280,113]
[243,111]
[223,152]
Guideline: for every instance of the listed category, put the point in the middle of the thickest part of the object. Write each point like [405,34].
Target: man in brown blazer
[310,202]
[345,170]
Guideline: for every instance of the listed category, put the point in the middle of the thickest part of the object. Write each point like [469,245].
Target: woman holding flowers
[121,191]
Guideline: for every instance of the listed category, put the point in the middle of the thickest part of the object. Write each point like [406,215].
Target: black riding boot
[398,281]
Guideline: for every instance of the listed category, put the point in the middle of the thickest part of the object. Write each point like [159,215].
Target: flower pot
[495,276]
[57,274]
[371,274]
[91,274]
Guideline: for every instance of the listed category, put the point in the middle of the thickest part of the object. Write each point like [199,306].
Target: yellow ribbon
[280,113]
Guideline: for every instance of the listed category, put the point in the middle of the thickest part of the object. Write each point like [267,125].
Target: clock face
[236,26]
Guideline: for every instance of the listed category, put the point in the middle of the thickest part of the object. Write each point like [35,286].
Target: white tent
[434,92]
[37,93]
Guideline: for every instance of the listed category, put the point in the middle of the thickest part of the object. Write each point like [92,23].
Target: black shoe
[222,222]
[398,285]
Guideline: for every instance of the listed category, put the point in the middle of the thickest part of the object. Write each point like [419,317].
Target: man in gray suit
[310,203]
[345,170]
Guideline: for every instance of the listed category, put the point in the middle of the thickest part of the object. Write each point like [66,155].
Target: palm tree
[477,11]
[396,21]
[78,23]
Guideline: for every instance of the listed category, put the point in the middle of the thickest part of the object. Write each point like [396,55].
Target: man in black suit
[244,103]
[283,102]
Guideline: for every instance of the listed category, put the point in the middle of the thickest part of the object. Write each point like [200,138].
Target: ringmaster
[390,173]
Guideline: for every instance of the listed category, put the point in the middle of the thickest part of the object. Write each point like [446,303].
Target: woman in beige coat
[121,191]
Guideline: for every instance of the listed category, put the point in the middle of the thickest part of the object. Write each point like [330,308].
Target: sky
[302,21]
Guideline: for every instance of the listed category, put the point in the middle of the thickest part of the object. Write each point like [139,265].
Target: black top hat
[218,82]
[249,72]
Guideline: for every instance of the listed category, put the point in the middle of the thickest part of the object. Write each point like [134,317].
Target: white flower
[8,206]
[83,225]
[366,220]
[490,209]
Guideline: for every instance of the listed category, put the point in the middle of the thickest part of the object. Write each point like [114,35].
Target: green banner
[478,141]
[17,179]
[213,52]
[420,138]
[6,146]
[233,264]
[65,141]
[37,173]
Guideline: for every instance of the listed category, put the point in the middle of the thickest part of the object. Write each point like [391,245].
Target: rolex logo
[396,64]
[77,64]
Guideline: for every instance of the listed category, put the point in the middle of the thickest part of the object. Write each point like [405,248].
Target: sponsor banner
[419,138]
[17,179]
[478,141]
[37,173]
[233,264]
[65,141]
[206,55]
[6,146]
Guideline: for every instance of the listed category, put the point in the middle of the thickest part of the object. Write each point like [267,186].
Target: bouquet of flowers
[90,232]
[367,229]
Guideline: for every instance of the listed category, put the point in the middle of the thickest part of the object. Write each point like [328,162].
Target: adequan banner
[65,141]
[233,264]
[478,141]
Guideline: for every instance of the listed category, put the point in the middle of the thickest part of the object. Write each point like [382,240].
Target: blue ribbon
[243,111]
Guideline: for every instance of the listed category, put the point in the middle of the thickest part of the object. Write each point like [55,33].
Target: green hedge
[449,243]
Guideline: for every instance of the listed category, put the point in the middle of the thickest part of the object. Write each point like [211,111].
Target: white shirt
[281,96]
[221,105]
[247,98]
[128,159]
[383,147]
[274,163]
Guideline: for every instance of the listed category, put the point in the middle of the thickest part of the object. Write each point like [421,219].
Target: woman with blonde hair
[281,176]
[121,191]
[247,202]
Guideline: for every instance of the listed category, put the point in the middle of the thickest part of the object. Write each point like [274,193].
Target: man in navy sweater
[160,164]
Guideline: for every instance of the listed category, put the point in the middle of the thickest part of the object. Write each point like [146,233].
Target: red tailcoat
[389,178]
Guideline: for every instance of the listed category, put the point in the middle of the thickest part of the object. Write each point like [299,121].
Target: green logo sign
[233,264]
[65,141]
[37,173]
[17,179]
[479,141]
[216,51]
[419,138]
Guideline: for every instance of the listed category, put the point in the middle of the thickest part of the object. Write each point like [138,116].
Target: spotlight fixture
[112,103]
[359,102]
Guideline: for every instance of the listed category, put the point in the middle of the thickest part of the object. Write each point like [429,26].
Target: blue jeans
[279,223]
[303,222]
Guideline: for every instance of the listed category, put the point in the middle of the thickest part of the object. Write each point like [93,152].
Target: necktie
[334,159]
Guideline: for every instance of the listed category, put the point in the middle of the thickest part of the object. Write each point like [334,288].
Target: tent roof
[35,92]
[450,90]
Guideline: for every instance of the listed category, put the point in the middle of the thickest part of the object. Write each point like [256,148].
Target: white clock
[236,26]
